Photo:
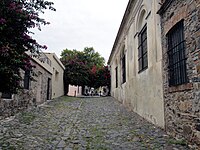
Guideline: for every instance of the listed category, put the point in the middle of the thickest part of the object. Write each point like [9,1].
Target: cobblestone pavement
[83,124]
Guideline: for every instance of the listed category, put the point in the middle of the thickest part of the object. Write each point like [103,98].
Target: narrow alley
[69,123]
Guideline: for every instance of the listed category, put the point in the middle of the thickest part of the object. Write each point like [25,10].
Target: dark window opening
[6,95]
[176,55]
[116,76]
[142,49]
[26,80]
[124,68]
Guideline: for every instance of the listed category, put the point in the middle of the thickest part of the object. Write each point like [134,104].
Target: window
[176,55]
[6,95]
[142,49]
[124,68]
[116,76]
[26,79]
[56,75]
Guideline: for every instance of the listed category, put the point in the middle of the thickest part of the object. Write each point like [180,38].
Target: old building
[43,86]
[36,90]
[136,61]
[180,20]
[57,77]
[74,90]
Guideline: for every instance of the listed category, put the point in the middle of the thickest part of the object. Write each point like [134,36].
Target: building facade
[136,61]
[181,67]
[57,77]
[35,91]
[74,90]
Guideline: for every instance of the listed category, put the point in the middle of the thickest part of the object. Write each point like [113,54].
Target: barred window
[176,55]
[124,68]
[142,49]
[116,76]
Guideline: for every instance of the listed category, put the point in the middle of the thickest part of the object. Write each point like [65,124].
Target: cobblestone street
[69,123]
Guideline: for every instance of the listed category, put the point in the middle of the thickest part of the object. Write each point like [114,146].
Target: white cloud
[80,23]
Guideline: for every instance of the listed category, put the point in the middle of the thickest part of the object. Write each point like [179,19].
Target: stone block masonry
[9,107]
[182,102]
[36,94]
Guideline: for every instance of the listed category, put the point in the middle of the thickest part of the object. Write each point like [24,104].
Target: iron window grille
[124,68]
[176,55]
[142,49]
[116,76]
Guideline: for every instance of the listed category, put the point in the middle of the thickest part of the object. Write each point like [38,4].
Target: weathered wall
[12,106]
[36,94]
[142,92]
[182,103]
[74,90]
[40,85]
[57,78]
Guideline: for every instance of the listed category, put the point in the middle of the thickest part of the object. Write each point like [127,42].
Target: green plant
[26,117]
[17,17]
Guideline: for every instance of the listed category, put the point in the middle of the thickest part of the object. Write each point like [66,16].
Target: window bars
[176,55]
[142,49]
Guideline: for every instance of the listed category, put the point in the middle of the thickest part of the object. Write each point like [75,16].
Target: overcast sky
[82,23]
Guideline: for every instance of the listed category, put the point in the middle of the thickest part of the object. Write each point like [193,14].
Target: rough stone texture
[182,103]
[27,98]
[83,124]
[39,87]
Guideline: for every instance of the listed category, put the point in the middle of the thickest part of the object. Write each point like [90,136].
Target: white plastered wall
[142,92]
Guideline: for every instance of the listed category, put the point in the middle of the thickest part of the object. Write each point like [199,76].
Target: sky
[82,23]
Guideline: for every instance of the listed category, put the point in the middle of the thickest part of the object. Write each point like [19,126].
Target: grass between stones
[26,117]
[177,142]
[69,99]
[97,139]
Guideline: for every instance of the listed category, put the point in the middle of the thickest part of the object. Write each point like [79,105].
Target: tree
[103,77]
[80,66]
[17,17]
[93,58]
[76,69]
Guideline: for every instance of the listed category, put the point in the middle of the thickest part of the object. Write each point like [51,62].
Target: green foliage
[83,68]
[103,77]
[16,18]
[76,72]
[93,58]
[177,142]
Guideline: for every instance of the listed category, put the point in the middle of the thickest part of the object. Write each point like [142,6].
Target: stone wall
[9,107]
[36,94]
[40,83]
[182,103]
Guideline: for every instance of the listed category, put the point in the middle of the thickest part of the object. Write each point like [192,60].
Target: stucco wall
[57,78]
[182,103]
[142,92]
[74,90]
